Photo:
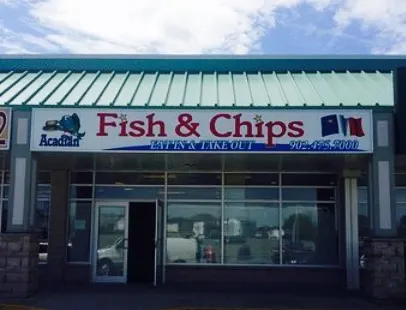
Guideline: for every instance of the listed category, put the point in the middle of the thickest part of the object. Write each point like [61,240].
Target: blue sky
[206,26]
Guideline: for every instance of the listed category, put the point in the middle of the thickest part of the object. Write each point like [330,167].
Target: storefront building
[202,170]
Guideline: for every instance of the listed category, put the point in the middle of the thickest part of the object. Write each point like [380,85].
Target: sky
[203,26]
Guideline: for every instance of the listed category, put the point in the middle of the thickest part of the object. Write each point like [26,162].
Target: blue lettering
[62,141]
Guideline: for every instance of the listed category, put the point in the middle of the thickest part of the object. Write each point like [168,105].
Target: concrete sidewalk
[123,297]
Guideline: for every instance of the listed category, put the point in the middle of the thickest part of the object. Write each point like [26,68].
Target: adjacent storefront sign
[5,128]
[271,131]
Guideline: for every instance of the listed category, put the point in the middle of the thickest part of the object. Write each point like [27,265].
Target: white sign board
[208,131]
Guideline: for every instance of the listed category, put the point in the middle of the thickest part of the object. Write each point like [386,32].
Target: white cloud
[386,18]
[160,26]
[192,26]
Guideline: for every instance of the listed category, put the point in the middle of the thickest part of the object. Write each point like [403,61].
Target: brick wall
[384,274]
[18,265]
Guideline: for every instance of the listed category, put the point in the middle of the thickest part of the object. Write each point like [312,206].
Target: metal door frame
[112,203]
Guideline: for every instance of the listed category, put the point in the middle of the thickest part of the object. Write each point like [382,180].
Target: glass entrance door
[111,242]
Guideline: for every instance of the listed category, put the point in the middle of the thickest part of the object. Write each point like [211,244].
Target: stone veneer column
[384,274]
[384,266]
[19,246]
[18,265]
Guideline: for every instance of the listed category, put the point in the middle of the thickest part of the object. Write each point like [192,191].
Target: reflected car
[110,259]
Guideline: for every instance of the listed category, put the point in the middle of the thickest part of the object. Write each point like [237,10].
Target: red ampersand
[185,123]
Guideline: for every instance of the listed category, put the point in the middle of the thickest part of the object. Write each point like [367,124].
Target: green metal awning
[190,89]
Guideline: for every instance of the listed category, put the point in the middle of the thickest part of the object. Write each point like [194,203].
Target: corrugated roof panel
[30,89]
[291,92]
[157,97]
[95,88]
[110,92]
[62,90]
[323,89]
[274,90]
[192,93]
[258,91]
[47,89]
[209,91]
[338,90]
[18,87]
[80,88]
[175,95]
[9,82]
[225,90]
[243,95]
[128,90]
[310,96]
[143,94]
[140,89]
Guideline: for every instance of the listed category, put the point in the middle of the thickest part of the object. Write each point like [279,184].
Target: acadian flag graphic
[348,126]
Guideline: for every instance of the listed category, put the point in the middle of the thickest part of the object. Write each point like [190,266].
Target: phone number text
[324,145]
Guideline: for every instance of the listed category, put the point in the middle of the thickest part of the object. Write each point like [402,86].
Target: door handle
[125,245]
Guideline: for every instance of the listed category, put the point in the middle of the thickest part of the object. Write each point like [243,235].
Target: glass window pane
[130,178]
[309,234]
[80,214]
[251,233]
[251,179]
[308,179]
[362,194]
[194,233]
[43,192]
[401,219]
[400,194]
[6,177]
[363,181]
[308,194]
[81,178]
[41,221]
[194,179]
[43,177]
[364,227]
[140,162]
[193,193]
[6,190]
[195,162]
[129,192]
[4,213]
[400,179]
[251,193]
[81,192]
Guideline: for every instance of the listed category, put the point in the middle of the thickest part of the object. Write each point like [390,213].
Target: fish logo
[67,124]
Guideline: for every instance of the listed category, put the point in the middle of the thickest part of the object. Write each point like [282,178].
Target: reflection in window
[194,179]
[401,211]
[42,207]
[194,233]
[309,234]
[130,178]
[81,192]
[3,200]
[251,193]
[251,233]
[308,194]
[363,212]
[192,193]
[129,192]
[251,179]
[80,214]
